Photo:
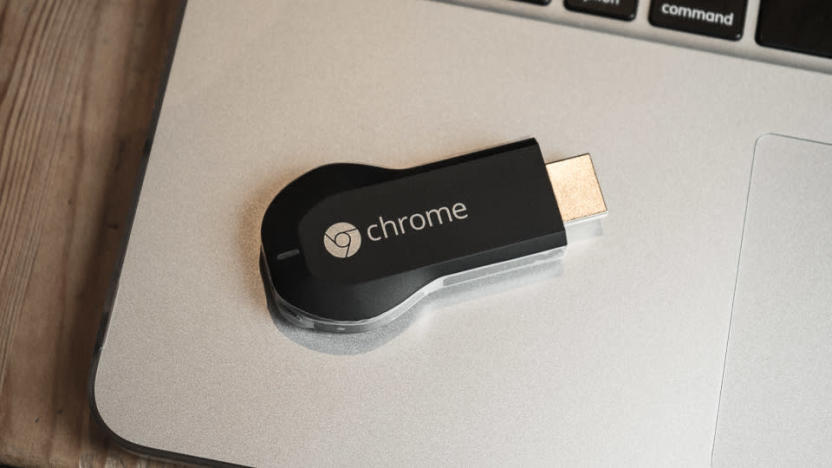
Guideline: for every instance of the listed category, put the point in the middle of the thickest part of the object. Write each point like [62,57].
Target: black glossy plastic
[413,225]
[797,25]
[717,18]
[618,9]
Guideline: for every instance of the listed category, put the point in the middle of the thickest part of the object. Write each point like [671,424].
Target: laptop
[690,330]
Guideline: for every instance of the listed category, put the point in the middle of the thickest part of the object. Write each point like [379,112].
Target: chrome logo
[342,240]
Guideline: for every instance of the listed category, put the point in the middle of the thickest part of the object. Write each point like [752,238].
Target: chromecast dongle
[350,247]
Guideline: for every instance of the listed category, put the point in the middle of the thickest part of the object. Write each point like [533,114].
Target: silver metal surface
[615,361]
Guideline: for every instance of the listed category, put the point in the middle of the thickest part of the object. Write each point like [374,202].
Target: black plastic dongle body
[346,247]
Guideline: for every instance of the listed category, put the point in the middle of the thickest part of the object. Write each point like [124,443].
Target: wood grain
[78,84]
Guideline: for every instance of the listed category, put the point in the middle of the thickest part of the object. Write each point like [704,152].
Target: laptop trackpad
[776,402]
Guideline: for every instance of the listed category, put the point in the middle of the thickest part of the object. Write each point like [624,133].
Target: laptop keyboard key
[716,18]
[619,9]
[797,25]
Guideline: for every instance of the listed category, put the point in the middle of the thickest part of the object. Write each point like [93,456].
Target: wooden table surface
[78,88]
